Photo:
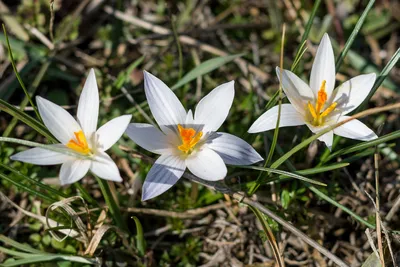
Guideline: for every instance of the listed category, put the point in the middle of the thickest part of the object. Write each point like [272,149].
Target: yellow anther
[329,109]
[318,117]
[80,144]
[189,139]
[312,110]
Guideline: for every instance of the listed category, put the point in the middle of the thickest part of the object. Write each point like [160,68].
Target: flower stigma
[317,115]
[189,139]
[80,144]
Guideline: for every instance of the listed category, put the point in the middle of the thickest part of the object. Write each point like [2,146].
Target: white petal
[104,167]
[213,109]
[88,107]
[206,164]
[148,137]
[41,156]
[164,105]
[73,170]
[352,93]
[268,120]
[327,139]
[355,129]
[189,118]
[59,122]
[323,67]
[296,90]
[111,132]
[165,172]
[233,150]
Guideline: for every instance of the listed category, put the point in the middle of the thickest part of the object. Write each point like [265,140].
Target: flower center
[316,111]
[80,144]
[189,139]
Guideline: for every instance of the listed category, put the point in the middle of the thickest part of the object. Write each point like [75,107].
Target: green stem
[112,205]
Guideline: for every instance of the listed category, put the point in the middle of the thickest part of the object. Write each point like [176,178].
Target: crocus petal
[41,156]
[352,93]
[267,121]
[355,129]
[327,139]
[206,164]
[73,170]
[88,107]
[213,109]
[165,172]
[166,108]
[323,67]
[148,137]
[233,150]
[189,118]
[296,90]
[59,122]
[104,167]
[108,134]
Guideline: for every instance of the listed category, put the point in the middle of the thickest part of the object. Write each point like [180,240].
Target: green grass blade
[354,34]
[18,245]
[337,204]
[28,189]
[112,205]
[17,74]
[43,186]
[382,76]
[62,150]
[308,27]
[289,174]
[204,68]
[36,258]
[365,145]
[140,241]
[28,120]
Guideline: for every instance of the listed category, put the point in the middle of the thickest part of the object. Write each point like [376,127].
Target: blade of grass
[19,246]
[139,237]
[289,174]
[28,120]
[17,74]
[43,186]
[382,76]
[354,34]
[28,189]
[112,205]
[270,236]
[364,145]
[65,150]
[276,131]
[308,27]
[204,68]
[36,258]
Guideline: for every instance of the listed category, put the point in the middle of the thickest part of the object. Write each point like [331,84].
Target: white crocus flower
[186,140]
[318,105]
[80,137]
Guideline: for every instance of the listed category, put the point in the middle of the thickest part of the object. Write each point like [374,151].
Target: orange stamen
[80,144]
[189,139]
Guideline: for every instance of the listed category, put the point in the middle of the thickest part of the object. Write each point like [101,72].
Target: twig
[377,216]
[173,214]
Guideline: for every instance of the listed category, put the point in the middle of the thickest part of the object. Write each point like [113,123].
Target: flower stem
[112,204]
